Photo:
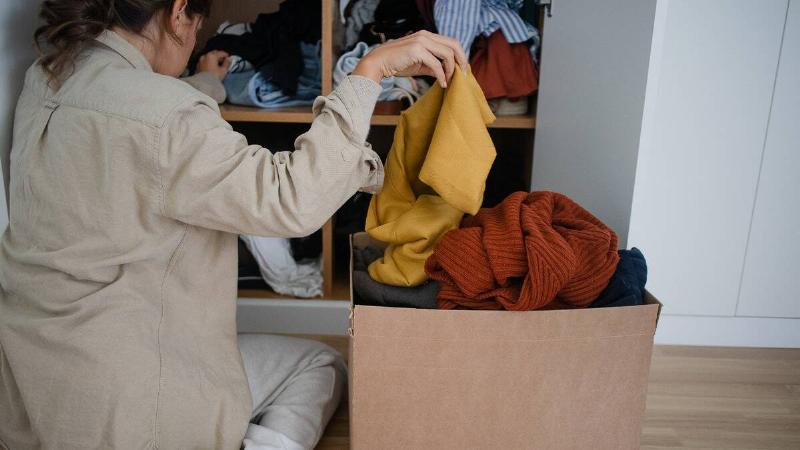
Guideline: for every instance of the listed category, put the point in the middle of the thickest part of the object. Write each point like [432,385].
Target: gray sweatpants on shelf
[296,386]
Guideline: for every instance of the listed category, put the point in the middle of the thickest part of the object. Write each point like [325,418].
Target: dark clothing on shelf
[529,12]
[393,19]
[626,287]
[425,8]
[351,216]
[491,60]
[251,88]
[275,38]
[371,292]
[307,247]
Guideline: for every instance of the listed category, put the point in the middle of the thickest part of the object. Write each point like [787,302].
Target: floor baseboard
[728,331]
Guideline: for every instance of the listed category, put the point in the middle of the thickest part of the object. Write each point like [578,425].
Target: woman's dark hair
[71,25]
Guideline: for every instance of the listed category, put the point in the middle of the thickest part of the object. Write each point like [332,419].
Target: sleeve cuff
[208,84]
[359,95]
[374,181]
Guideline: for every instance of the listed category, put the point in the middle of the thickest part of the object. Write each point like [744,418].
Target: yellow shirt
[435,172]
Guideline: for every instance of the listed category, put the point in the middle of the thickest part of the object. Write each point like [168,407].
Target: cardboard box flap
[649,299]
[504,325]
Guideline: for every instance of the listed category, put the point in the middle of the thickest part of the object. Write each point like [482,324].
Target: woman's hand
[216,62]
[421,53]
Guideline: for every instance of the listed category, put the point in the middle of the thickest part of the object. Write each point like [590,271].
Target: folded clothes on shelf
[465,20]
[508,107]
[280,270]
[250,87]
[497,38]
[393,19]
[490,62]
[354,15]
[272,43]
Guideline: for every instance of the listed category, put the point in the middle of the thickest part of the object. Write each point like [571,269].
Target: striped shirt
[466,19]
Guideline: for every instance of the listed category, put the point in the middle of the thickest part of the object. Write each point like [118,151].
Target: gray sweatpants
[296,386]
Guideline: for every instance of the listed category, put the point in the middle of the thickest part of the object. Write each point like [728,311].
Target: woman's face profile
[172,54]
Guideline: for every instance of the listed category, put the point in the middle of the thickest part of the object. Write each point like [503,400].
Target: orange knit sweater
[527,252]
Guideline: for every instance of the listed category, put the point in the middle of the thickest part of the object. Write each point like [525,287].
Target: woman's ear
[178,14]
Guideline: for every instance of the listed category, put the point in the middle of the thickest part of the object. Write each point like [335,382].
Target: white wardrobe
[710,188]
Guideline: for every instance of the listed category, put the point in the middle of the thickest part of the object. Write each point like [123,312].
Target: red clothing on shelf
[503,69]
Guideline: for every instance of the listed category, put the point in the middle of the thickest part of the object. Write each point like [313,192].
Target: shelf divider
[328,14]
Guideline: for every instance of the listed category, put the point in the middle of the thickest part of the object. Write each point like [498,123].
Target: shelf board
[302,114]
[291,114]
[340,291]
[523,121]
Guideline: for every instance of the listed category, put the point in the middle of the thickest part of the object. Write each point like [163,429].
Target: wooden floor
[698,398]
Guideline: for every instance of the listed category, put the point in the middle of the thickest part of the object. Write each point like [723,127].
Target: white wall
[771,276]
[712,75]
[17,23]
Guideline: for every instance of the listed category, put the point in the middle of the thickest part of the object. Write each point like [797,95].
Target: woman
[117,307]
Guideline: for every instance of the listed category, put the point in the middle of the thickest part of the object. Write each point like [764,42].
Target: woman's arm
[211,177]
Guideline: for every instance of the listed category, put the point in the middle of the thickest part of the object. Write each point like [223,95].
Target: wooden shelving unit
[336,283]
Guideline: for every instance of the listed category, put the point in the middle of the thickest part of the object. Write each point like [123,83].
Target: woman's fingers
[445,54]
[421,53]
[455,46]
[216,62]
[445,48]
[226,63]
[218,54]
[432,62]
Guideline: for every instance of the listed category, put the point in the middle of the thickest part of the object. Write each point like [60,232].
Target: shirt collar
[120,45]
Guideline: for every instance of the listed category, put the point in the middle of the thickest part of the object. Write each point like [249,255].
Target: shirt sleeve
[211,177]
[208,84]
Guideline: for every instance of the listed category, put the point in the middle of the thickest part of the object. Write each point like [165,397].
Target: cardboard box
[460,379]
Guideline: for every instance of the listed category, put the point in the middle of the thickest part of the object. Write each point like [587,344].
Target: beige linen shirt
[118,268]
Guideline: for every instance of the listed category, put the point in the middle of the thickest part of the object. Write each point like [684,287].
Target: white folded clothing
[281,271]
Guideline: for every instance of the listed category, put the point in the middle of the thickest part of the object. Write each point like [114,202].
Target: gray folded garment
[371,292]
